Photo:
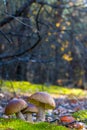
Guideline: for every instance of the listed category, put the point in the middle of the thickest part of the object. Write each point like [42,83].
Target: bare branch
[9,41]
[20,53]
[17,13]
[37,17]
[27,59]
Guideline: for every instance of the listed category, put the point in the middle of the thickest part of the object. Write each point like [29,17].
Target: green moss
[27,87]
[81,115]
[14,124]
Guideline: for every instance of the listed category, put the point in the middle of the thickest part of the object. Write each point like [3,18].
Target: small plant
[81,115]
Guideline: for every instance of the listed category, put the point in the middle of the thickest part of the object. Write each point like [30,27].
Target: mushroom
[15,106]
[29,110]
[43,101]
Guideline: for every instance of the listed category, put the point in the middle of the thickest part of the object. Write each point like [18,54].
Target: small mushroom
[29,110]
[15,106]
[44,102]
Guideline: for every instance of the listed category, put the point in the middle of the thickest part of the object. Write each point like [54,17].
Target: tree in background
[44,41]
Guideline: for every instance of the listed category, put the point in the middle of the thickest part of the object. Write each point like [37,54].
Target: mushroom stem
[41,113]
[29,117]
[20,116]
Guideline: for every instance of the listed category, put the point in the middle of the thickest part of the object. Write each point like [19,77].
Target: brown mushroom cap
[14,106]
[42,97]
[30,109]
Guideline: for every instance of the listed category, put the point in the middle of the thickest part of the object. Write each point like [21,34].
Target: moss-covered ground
[27,87]
[15,124]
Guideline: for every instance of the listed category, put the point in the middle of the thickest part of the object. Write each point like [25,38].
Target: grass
[27,87]
[15,124]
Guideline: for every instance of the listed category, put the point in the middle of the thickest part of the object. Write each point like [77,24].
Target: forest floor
[71,103]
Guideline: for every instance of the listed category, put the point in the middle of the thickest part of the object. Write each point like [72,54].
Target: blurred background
[44,42]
